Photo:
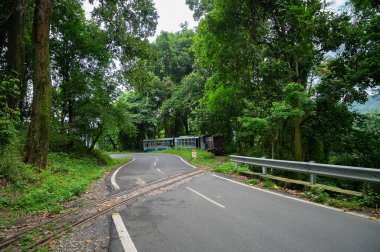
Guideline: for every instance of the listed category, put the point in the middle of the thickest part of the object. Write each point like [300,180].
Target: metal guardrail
[314,169]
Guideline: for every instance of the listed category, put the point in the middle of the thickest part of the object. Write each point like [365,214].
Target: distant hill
[371,105]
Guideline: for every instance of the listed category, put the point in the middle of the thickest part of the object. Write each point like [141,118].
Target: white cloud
[171,14]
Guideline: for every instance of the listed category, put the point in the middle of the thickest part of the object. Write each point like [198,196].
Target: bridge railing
[313,169]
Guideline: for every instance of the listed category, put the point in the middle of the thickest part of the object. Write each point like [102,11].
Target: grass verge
[205,159]
[33,191]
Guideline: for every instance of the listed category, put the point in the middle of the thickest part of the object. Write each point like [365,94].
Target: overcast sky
[171,14]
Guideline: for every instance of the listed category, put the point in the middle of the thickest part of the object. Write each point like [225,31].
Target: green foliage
[361,145]
[127,25]
[9,117]
[66,176]
[252,135]
[222,111]
[296,104]
[143,120]
[226,168]
[13,171]
[174,55]
[229,168]
[316,194]
[268,183]
[370,199]
[252,181]
[200,7]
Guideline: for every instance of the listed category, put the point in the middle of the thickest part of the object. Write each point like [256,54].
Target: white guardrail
[314,169]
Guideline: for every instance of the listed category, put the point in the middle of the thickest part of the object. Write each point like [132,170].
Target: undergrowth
[370,199]
[229,168]
[26,189]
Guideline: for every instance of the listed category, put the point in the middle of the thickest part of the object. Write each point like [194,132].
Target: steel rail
[146,191]
[11,239]
[134,194]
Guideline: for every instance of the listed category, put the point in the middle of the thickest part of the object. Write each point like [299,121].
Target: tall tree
[16,47]
[37,145]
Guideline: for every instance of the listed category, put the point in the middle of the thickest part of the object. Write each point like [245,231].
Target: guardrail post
[236,167]
[313,177]
[264,170]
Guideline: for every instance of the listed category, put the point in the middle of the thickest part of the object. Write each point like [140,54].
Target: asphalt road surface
[211,213]
[148,167]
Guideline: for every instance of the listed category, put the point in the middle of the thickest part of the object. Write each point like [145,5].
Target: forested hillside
[372,105]
[274,78]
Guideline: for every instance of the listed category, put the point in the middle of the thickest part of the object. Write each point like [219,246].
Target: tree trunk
[70,144]
[297,144]
[37,144]
[274,145]
[96,138]
[186,125]
[3,32]
[16,49]
[113,143]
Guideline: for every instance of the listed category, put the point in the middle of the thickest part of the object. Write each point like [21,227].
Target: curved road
[148,167]
[215,213]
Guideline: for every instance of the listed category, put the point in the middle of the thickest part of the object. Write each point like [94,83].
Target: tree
[16,47]
[200,7]
[143,117]
[174,55]
[128,24]
[79,58]
[177,111]
[8,115]
[37,145]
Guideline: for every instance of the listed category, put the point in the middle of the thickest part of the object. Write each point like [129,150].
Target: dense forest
[274,78]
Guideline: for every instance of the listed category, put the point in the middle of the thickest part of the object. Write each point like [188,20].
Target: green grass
[320,196]
[66,176]
[268,183]
[229,168]
[204,158]
[253,181]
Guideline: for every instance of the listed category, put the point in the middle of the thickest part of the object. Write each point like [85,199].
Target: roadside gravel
[94,236]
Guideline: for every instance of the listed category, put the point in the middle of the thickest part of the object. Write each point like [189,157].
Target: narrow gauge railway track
[54,228]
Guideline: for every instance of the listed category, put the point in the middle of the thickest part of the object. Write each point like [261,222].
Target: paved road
[148,167]
[213,214]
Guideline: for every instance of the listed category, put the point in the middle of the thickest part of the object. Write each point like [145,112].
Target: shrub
[31,190]
[370,199]
[253,181]
[268,183]
[316,194]
[226,168]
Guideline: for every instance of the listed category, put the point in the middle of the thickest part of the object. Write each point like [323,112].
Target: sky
[171,14]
